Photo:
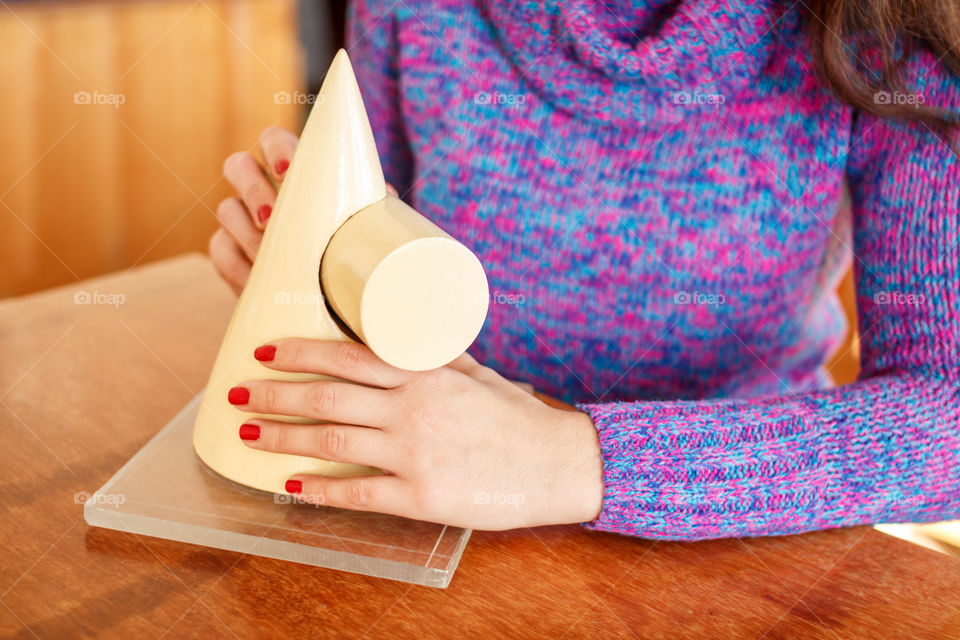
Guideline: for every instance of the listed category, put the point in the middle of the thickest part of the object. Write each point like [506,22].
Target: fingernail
[265,353]
[281,167]
[264,212]
[238,395]
[249,432]
[293,486]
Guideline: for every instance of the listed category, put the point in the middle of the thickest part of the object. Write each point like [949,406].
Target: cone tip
[341,60]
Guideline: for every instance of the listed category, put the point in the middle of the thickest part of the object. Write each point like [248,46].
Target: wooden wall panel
[18,139]
[90,188]
[845,364]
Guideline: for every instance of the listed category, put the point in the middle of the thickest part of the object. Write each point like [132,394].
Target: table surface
[84,386]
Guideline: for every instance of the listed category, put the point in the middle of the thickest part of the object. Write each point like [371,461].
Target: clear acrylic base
[166,491]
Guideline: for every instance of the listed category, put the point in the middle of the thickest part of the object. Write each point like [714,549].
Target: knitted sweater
[655,193]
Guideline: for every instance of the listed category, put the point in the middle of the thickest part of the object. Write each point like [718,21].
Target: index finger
[347,360]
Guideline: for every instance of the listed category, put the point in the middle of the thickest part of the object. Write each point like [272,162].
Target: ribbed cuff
[687,471]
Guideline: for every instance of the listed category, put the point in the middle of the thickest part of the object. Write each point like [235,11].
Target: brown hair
[846,33]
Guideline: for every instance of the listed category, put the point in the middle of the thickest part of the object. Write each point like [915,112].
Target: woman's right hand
[243,217]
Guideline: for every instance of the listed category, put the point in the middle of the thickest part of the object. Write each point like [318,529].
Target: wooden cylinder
[408,290]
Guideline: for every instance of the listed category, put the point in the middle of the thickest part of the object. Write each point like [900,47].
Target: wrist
[583,470]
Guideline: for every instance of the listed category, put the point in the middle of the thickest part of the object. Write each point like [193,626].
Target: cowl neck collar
[619,61]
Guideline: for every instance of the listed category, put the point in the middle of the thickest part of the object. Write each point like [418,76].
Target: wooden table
[84,386]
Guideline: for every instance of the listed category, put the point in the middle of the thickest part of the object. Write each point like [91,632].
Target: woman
[653,188]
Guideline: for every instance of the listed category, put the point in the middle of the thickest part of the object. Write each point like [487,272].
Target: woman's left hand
[459,445]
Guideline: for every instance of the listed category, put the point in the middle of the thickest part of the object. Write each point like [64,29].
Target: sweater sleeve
[883,449]
[372,45]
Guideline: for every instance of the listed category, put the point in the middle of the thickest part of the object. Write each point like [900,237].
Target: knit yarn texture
[655,191]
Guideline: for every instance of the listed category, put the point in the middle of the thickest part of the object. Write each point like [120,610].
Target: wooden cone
[404,270]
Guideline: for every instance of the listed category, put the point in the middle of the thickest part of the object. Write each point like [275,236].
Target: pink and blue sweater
[655,191]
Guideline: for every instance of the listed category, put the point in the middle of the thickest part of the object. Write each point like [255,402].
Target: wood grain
[85,385]
[91,188]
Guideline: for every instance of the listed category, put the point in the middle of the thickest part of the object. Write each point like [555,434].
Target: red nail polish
[249,432]
[281,167]
[264,212]
[293,486]
[238,395]
[265,353]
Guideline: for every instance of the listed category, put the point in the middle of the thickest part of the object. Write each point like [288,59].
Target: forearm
[884,449]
